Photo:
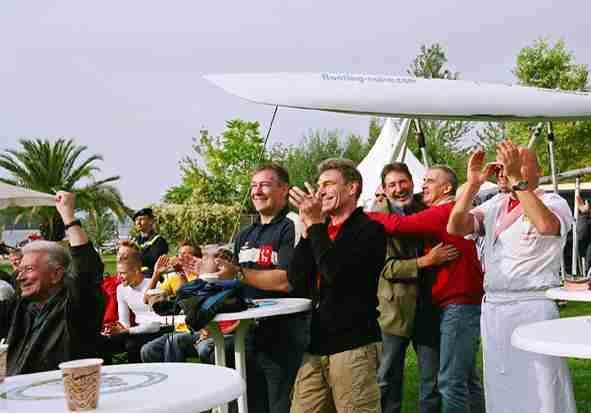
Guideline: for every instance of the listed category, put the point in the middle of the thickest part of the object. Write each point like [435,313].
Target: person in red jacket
[457,291]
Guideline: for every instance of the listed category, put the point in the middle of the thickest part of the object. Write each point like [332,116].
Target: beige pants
[344,382]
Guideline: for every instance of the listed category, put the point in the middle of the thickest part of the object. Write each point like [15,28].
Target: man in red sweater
[457,291]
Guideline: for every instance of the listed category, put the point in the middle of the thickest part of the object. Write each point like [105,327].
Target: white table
[561,293]
[563,337]
[130,388]
[267,308]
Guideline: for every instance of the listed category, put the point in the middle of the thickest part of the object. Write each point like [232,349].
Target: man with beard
[338,263]
[263,250]
[457,291]
[404,294]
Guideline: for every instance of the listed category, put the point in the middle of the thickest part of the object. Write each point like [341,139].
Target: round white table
[563,337]
[266,308]
[130,388]
[561,293]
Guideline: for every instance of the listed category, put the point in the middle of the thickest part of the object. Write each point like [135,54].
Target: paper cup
[3,361]
[82,380]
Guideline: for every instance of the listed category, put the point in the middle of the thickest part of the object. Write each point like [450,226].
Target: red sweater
[458,281]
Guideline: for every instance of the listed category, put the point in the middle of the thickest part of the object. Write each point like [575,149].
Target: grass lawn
[580,370]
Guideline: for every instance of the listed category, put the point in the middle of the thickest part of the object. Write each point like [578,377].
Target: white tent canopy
[16,196]
[389,147]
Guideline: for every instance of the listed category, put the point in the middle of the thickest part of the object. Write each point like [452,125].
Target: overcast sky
[125,77]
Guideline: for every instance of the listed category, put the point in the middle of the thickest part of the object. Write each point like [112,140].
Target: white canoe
[408,97]
[16,196]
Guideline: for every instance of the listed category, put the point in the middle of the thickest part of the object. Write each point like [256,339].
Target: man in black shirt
[264,249]
[339,263]
[151,244]
[57,315]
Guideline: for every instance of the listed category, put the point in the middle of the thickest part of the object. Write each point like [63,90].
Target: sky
[125,78]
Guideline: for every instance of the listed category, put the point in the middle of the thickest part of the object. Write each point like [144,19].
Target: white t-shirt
[517,258]
[133,298]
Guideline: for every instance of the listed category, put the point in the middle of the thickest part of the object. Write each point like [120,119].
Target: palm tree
[49,167]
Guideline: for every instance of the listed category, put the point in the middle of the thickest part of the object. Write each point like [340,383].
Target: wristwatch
[74,223]
[520,186]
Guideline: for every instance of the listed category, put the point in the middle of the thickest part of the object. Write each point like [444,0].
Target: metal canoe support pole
[554,179]
[421,142]
[575,258]
[535,135]
[551,156]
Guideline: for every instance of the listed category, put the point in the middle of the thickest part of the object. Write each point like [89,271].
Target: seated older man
[57,315]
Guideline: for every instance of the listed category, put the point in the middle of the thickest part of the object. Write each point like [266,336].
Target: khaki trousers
[345,382]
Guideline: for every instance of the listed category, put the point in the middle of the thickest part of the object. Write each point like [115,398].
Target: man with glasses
[57,316]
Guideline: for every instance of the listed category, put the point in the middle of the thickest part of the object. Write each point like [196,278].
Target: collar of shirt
[333,230]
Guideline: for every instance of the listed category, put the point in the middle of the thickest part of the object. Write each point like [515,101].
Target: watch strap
[75,223]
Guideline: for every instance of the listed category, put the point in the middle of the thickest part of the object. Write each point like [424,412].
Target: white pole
[535,135]
[550,138]
[551,156]
[421,142]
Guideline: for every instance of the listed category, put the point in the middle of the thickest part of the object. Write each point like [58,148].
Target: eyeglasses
[380,195]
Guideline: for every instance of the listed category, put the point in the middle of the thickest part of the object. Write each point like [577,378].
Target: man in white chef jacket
[524,233]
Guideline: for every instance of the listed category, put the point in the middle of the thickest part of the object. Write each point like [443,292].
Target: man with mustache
[524,235]
[407,313]
[457,291]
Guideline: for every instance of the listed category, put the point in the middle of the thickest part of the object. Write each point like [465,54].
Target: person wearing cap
[151,244]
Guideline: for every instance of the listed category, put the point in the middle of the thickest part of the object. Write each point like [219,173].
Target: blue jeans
[171,347]
[459,381]
[391,374]
[206,350]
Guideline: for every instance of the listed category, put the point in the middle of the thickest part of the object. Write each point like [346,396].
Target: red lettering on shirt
[265,255]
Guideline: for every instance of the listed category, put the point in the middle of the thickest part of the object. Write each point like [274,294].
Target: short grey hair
[57,254]
[346,168]
[450,176]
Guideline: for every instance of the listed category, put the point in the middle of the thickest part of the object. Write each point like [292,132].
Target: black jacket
[67,327]
[151,248]
[344,314]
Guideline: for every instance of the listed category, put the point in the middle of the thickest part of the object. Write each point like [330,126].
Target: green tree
[445,139]
[100,226]
[51,166]
[220,171]
[554,67]
[550,67]
[302,160]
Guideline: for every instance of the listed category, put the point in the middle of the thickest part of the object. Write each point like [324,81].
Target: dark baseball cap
[144,212]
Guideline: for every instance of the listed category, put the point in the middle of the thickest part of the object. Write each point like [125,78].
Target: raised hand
[510,156]
[164,262]
[308,204]
[478,172]
[64,203]
[582,205]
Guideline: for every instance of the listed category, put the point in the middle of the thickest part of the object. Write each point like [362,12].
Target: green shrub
[197,223]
